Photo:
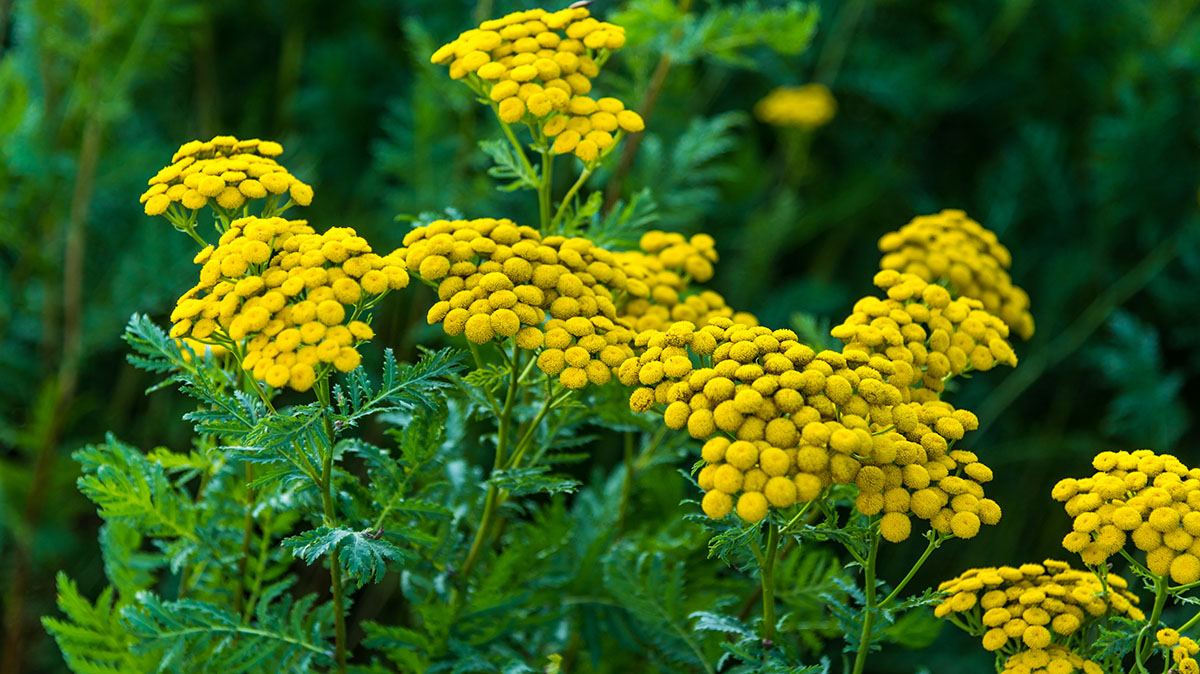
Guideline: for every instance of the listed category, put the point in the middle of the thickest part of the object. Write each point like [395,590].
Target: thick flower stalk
[1034,605]
[289,302]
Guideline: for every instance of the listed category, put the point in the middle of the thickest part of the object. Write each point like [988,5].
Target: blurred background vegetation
[1070,129]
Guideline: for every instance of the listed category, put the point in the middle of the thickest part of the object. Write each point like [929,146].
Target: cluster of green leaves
[233,609]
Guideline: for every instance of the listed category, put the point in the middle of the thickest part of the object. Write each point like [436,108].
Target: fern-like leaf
[91,637]
[286,636]
[403,387]
[652,590]
[361,553]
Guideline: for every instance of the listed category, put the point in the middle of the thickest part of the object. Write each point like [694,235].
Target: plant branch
[491,501]
[935,540]
[868,620]
[335,566]
[562,207]
[1160,599]
[545,187]
[767,568]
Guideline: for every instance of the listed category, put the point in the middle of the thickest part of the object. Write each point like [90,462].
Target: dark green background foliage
[1070,129]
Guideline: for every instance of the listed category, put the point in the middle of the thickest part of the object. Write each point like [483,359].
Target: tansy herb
[797,448]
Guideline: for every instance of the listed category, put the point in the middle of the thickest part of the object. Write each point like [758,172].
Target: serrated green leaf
[509,166]
[361,553]
[403,387]
[532,480]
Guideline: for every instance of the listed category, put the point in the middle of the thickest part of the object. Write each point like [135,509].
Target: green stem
[1176,589]
[792,522]
[647,454]
[868,620]
[1189,624]
[249,378]
[562,206]
[545,187]
[1160,599]
[190,228]
[627,485]
[767,568]
[505,425]
[1134,563]
[935,540]
[492,500]
[834,50]
[247,536]
[335,567]
[512,138]
[264,549]
[527,439]
[487,393]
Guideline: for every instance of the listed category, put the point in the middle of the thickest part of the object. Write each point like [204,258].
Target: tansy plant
[1051,618]
[573,322]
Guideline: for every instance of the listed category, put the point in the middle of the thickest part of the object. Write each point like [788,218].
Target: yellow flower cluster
[803,421]
[537,67]
[580,304]
[1053,660]
[808,106]
[1152,499]
[291,298]
[226,170]
[587,126]
[951,247]
[1032,604]
[1183,650]
[921,324]
[495,279]
[661,274]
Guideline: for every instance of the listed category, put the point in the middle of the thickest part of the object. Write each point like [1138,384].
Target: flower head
[951,248]
[1033,605]
[537,67]
[1151,500]
[224,173]
[292,303]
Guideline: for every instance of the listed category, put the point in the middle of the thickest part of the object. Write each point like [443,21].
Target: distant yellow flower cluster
[1150,499]
[225,173]
[808,106]
[286,300]
[580,304]
[537,67]
[952,248]
[1033,605]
